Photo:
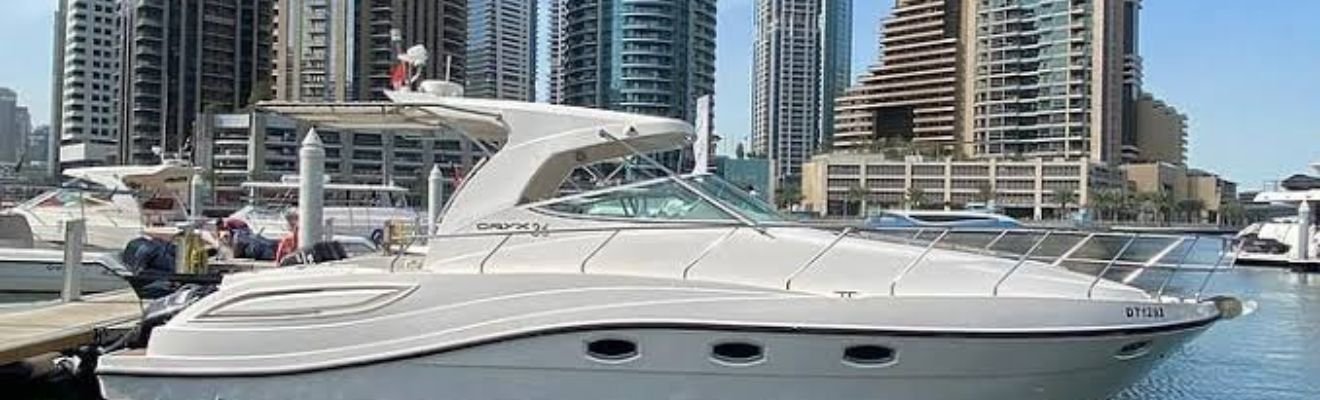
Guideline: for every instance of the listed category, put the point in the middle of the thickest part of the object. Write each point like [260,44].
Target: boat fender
[1232,307]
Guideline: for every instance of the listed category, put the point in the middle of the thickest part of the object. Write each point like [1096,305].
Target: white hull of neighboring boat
[676,364]
[48,277]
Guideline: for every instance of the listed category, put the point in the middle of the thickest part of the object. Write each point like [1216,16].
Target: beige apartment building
[1183,184]
[1022,188]
[912,92]
[1161,132]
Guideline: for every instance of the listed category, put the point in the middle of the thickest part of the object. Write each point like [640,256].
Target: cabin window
[869,355]
[666,199]
[737,353]
[1133,350]
[612,349]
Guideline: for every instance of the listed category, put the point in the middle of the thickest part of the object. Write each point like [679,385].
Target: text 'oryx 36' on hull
[553,277]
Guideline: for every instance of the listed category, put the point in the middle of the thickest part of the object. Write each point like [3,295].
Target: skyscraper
[89,75]
[183,58]
[798,65]
[501,49]
[1048,78]
[440,25]
[557,21]
[11,140]
[654,57]
[836,61]
[911,93]
[313,50]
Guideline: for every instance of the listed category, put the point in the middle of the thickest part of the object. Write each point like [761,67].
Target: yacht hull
[675,363]
[18,276]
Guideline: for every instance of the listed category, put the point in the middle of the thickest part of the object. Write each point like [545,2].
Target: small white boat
[674,287]
[353,210]
[117,202]
[42,271]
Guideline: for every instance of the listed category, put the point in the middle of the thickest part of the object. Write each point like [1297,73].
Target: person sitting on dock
[243,242]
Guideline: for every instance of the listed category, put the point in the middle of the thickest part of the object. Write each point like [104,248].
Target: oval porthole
[612,349]
[1133,350]
[869,355]
[737,353]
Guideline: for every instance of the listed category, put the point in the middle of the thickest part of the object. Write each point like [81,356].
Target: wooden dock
[59,326]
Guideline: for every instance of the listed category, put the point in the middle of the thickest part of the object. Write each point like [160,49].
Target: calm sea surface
[1272,354]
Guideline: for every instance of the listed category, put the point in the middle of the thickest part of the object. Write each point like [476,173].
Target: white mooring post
[435,191]
[311,189]
[1304,219]
[75,231]
[195,188]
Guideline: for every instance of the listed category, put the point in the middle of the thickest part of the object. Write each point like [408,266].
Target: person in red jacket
[289,243]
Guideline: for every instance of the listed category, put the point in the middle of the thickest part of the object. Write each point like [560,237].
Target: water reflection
[1272,354]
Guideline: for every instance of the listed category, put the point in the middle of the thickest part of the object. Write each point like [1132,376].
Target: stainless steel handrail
[692,264]
[1181,260]
[995,290]
[893,284]
[1206,281]
[788,283]
[940,241]
[1121,251]
[583,267]
[1154,259]
[481,268]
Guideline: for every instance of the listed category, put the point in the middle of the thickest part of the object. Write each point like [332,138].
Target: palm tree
[1191,209]
[1232,213]
[915,197]
[1064,197]
[788,196]
[855,193]
[1106,202]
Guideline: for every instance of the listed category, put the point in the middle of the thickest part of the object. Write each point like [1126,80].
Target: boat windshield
[666,199]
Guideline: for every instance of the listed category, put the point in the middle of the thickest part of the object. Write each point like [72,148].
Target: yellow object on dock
[60,326]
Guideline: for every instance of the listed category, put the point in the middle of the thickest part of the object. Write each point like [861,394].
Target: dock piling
[74,236]
[311,190]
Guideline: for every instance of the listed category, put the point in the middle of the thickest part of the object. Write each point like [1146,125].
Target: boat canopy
[542,143]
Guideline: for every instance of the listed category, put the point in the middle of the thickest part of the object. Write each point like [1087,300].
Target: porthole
[612,349]
[737,352]
[869,355]
[1133,350]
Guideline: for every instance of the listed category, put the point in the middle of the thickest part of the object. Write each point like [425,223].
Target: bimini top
[169,175]
[541,143]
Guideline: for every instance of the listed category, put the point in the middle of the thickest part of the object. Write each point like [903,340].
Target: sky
[1246,73]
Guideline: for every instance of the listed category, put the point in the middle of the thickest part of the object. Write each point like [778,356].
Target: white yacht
[1291,240]
[680,287]
[116,201]
[352,209]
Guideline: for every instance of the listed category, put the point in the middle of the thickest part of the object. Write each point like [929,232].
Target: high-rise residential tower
[501,49]
[1048,78]
[313,50]
[11,138]
[439,25]
[911,94]
[557,21]
[183,58]
[89,83]
[836,61]
[654,57]
[797,68]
